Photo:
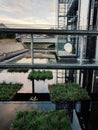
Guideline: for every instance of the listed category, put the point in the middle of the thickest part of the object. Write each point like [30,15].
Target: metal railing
[48,31]
[64,65]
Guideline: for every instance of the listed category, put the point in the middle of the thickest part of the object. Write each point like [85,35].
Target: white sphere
[68,47]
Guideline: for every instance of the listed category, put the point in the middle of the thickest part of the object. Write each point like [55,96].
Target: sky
[28,12]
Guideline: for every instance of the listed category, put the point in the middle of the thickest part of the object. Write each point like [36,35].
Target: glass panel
[67,45]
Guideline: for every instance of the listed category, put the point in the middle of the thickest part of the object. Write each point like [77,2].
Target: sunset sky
[28,12]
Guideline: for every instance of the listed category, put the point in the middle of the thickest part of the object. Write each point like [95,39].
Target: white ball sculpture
[68,47]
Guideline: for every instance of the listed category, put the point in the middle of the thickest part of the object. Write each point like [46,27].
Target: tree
[6,35]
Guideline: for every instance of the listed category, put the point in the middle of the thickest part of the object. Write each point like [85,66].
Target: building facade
[80,15]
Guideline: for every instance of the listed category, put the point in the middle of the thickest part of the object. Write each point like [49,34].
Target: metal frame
[55,65]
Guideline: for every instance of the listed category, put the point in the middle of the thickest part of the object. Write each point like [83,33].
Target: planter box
[41,120]
[67,92]
[8,90]
[40,75]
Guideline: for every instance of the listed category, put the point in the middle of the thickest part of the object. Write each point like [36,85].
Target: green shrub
[40,75]
[8,90]
[67,92]
[18,70]
[41,120]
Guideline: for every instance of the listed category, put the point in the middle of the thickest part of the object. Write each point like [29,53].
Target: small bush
[40,75]
[8,90]
[18,70]
[67,92]
[41,120]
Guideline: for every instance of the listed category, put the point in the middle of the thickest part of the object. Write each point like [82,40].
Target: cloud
[26,23]
[28,20]
[9,20]
[15,7]
[12,5]
[27,11]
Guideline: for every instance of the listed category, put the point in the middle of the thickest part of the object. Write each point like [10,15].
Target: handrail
[48,31]
[50,66]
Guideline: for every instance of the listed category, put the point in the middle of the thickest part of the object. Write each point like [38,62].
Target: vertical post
[83,41]
[56,76]
[89,14]
[79,10]
[81,50]
[62,75]
[32,60]
[93,80]
[33,91]
[32,50]
[81,79]
[77,75]
[56,45]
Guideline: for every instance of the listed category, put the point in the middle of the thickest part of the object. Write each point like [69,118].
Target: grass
[67,92]
[40,75]
[8,90]
[18,70]
[41,120]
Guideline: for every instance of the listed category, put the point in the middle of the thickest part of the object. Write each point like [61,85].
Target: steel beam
[48,31]
[50,66]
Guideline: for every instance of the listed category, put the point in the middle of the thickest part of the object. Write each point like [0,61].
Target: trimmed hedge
[67,92]
[41,120]
[8,90]
[40,75]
